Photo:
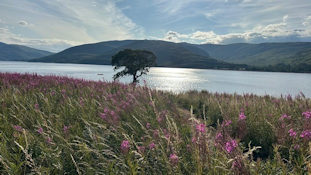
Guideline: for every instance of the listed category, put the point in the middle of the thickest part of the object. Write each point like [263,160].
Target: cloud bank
[58,24]
[278,32]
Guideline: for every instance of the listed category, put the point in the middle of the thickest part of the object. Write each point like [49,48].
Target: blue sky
[58,24]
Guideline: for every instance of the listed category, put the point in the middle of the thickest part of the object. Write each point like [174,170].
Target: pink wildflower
[151,145]
[231,145]
[112,113]
[66,128]
[40,130]
[236,164]
[307,114]
[49,140]
[141,149]
[156,133]
[53,93]
[296,147]
[242,116]
[218,136]
[159,119]
[193,140]
[292,133]
[227,122]
[81,102]
[234,143]
[174,159]
[18,128]
[106,110]
[148,125]
[103,116]
[36,106]
[167,136]
[125,146]
[305,133]
[200,128]
[285,116]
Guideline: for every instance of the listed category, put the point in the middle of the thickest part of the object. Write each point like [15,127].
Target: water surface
[180,79]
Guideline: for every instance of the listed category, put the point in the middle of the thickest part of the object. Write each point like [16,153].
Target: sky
[55,25]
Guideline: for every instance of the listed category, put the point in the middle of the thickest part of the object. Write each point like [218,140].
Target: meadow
[61,125]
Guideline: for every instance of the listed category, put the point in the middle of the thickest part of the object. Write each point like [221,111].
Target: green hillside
[283,57]
[10,52]
[260,54]
[168,54]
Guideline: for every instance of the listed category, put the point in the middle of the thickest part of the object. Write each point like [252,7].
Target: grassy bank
[59,125]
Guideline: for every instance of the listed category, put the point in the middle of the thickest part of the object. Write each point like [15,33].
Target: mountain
[285,57]
[263,54]
[12,52]
[168,54]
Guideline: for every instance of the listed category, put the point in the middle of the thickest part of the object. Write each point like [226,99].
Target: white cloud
[67,22]
[53,45]
[307,21]
[270,33]
[285,18]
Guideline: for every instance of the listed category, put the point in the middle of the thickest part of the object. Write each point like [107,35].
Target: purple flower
[18,128]
[307,114]
[231,145]
[200,128]
[227,122]
[125,146]
[159,119]
[148,125]
[66,128]
[36,106]
[49,140]
[242,116]
[292,133]
[234,143]
[112,113]
[236,164]
[218,136]
[193,140]
[296,147]
[174,159]
[106,110]
[285,116]
[141,149]
[40,130]
[305,133]
[151,145]
[167,136]
[81,102]
[103,116]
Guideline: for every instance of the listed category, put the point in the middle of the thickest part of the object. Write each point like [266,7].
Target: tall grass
[60,125]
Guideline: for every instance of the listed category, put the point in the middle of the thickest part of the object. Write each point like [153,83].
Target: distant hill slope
[168,54]
[287,57]
[261,54]
[10,52]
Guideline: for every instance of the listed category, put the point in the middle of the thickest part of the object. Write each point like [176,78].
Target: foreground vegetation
[59,125]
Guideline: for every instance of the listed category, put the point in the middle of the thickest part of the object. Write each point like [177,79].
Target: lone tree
[135,63]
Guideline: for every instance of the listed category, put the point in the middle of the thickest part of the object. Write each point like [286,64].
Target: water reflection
[179,80]
[173,79]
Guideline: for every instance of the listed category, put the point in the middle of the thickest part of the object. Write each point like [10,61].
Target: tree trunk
[134,78]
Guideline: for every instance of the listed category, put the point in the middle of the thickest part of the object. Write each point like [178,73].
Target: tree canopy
[135,62]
